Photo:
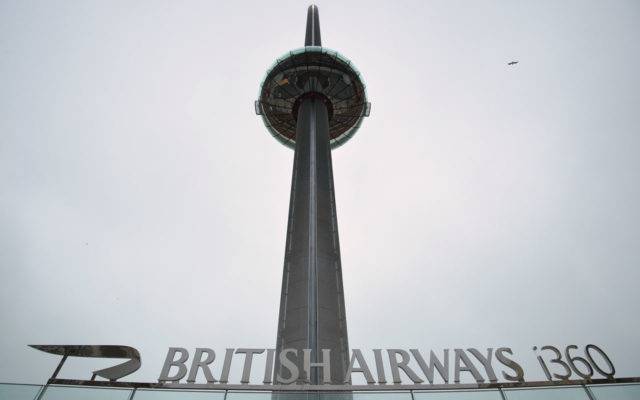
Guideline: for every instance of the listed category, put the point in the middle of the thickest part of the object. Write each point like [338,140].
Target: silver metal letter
[289,365]
[486,362]
[197,363]
[509,363]
[268,368]
[170,361]
[325,364]
[443,370]
[379,366]
[228,356]
[402,365]
[362,368]
[248,358]
[468,367]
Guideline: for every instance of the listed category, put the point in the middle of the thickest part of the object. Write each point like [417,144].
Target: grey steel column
[312,313]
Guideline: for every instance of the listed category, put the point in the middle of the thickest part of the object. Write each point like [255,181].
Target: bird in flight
[512,63]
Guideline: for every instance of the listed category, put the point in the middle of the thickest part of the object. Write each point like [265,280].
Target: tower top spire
[312,36]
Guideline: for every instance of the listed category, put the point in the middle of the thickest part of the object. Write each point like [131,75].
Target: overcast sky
[142,202]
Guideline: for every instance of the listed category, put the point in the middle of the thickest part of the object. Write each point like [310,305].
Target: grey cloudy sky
[143,203]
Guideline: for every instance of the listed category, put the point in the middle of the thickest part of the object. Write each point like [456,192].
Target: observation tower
[312,100]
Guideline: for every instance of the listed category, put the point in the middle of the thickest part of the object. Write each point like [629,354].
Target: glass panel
[249,396]
[10,391]
[553,393]
[459,395]
[84,393]
[616,392]
[406,395]
[165,394]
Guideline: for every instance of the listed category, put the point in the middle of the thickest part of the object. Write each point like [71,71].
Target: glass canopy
[61,392]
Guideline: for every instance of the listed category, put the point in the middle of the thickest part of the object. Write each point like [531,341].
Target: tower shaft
[312,313]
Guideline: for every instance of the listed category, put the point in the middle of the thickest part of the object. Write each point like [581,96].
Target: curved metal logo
[97,351]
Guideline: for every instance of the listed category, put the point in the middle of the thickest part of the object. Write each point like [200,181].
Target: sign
[448,365]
